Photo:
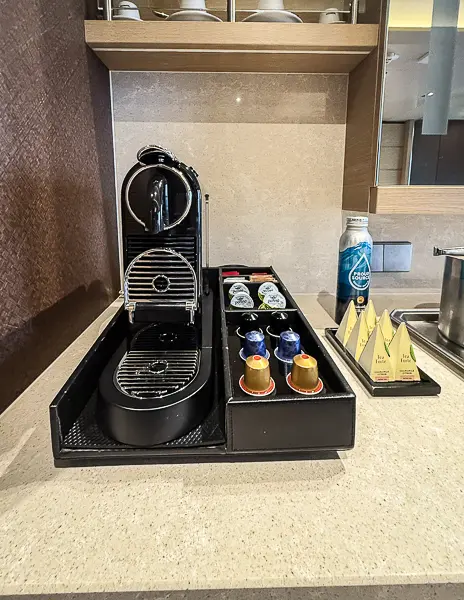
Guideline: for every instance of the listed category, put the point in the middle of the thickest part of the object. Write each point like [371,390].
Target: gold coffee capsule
[257,373]
[304,372]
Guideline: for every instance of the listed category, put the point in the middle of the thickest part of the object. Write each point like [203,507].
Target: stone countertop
[391,511]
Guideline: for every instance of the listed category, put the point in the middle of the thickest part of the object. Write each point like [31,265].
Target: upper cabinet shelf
[230,47]
[417,199]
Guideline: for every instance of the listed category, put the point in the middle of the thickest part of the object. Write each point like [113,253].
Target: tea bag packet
[375,358]
[402,355]
[387,327]
[358,337]
[347,324]
[371,316]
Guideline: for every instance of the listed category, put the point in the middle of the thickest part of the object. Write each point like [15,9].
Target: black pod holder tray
[425,387]
[284,425]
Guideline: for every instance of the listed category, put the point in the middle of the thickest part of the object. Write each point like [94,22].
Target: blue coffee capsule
[289,346]
[254,345]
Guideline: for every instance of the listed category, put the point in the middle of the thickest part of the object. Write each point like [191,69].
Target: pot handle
[459,251]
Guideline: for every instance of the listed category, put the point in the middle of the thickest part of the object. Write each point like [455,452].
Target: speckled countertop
[391,511]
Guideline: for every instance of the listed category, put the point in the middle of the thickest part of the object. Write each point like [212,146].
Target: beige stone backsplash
[272,163]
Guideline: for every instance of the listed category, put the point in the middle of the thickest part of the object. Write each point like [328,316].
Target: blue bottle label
[354,274]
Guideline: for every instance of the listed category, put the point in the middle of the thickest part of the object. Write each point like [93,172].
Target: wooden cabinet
[230,47]
[357,50]
[437,170]
[363,122]
[417,199]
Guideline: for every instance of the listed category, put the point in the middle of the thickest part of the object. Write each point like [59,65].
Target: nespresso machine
[156,386]
[162,382]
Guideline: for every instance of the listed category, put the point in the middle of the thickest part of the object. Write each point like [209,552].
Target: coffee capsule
[289,346]
[254,344]
[304,377]
[279,323]
[248,322]
[305,373]
[257,373]
[257,380]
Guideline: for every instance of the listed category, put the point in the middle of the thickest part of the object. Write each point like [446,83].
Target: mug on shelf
[331,15]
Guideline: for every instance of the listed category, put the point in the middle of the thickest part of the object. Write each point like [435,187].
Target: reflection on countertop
[320,308]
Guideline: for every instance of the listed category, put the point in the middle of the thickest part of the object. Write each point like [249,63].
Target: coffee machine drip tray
[157,385]
[85,435]
[159,363]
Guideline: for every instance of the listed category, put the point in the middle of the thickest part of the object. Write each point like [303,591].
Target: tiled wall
[425,232]
[269,150]
[391,153]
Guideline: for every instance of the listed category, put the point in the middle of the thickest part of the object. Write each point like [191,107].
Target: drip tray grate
[153,369]
[85,434]
[156,374]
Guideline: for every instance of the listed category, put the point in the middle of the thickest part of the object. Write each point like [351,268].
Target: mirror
[407,156]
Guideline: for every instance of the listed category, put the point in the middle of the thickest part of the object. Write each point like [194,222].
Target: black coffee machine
[157,385]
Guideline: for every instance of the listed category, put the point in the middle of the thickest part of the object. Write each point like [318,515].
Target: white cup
[331,15]
[192,5]
[127,10]
[271,5]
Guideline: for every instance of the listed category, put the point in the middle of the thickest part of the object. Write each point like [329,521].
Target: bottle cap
[357,221]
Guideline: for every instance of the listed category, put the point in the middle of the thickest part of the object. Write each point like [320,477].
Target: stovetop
[423,328]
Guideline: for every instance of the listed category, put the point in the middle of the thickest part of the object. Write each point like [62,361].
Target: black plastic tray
[85,434]
[284,427]
[77,440]
[285,420]
[279,370]
[425,387]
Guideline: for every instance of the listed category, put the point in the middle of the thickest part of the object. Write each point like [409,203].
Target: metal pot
[451,319]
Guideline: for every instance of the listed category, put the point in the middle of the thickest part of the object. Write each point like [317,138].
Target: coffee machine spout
[158,195]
